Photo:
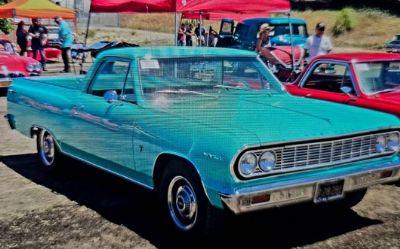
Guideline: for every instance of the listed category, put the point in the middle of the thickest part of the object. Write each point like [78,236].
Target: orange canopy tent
[35,8]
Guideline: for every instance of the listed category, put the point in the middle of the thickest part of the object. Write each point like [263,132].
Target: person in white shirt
[318,44]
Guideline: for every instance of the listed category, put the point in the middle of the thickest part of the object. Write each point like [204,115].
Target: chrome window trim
[344,63]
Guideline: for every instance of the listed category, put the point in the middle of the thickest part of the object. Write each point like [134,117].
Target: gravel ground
[87,208]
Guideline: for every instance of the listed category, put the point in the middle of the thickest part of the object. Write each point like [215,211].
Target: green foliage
[345,21]
[5,26]
[91,34]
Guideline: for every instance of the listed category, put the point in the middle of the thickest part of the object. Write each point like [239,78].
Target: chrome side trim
[93,164]
[240,202]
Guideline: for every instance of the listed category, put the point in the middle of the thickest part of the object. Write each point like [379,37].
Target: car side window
[112,75]
[329,77]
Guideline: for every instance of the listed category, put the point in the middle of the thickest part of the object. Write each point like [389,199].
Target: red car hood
[16,63]
[390,97]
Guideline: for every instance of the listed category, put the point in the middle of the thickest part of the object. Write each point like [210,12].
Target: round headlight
[247,163]
[267,161]
[380,144]
[29,67]
[393,142]
[37,67]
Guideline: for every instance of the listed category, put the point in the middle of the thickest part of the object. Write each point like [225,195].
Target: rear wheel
[183,200]
[48,152]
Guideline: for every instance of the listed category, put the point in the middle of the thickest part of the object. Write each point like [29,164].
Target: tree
[5,24]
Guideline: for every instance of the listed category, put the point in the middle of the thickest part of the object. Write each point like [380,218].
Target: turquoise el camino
[210,129]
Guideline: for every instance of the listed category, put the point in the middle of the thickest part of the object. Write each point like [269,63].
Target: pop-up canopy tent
[35,8]
[194,9]
[191,6]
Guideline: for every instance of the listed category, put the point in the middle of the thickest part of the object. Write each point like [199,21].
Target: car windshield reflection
[378,77]
[180,79]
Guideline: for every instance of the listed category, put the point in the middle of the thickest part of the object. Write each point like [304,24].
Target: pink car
[12,65]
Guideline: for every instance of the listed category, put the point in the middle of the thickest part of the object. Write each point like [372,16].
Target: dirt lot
[87,208]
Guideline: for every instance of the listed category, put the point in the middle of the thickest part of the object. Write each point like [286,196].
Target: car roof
[359,56]
[273,20]
[171,52]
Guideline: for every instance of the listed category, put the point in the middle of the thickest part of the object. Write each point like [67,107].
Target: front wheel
[48,151]
[184,202]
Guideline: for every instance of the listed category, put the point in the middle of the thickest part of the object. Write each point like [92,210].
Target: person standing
[66,37]
[189,34]
[263,43]
[38,32]
[182,35]
[318,44]
[22,41]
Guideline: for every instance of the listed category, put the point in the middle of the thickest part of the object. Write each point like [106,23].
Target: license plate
[329,191]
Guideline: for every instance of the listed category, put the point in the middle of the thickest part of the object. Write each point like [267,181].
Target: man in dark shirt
[38,32]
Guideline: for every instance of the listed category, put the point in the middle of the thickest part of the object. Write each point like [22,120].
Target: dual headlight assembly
[265,162]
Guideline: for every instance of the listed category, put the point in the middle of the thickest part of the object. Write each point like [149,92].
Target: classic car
[211,130]
[369,80]
[393,46]
[244,36]
[12,65]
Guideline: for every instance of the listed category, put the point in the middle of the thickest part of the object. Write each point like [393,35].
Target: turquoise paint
[126,138]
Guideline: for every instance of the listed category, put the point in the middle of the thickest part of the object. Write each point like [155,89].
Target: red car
[12,65]
[370,80]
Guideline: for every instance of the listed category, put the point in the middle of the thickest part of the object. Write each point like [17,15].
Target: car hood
[15,62]
[278,118]
[389,97]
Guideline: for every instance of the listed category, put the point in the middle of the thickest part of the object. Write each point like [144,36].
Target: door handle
[77,106]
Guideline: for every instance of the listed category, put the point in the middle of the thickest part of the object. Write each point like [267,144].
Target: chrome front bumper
[284,193]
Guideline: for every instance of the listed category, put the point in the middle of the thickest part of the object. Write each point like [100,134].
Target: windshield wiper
[185,91]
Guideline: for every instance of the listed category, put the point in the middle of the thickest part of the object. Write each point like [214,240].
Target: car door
[104,126]
[328,81]
[225,38]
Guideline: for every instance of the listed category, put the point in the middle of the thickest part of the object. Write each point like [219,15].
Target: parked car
[370,80]
[244,36]
[210,130]
[393,46]
[12,65]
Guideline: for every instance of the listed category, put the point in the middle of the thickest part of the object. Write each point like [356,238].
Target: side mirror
[347,90]
[111,96]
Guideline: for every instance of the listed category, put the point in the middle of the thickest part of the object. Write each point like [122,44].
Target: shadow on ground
[124,203]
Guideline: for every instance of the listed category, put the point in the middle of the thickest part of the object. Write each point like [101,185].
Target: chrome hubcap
[182,203]
[47,148]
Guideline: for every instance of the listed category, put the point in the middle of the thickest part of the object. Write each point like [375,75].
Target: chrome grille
[325,153]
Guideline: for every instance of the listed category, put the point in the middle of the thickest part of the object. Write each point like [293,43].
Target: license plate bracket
[328,191]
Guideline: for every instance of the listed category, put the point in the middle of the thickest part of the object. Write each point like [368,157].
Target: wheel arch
[35,129]
[162,162]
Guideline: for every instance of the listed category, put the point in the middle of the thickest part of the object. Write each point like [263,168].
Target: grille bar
[326,153]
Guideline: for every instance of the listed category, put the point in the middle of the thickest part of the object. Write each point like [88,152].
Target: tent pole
[291,41]
[87,27]
[176,29]
[200,33]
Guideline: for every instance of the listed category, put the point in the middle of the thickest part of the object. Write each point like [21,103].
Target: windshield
[284,29]
[180,79]
[375,77]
